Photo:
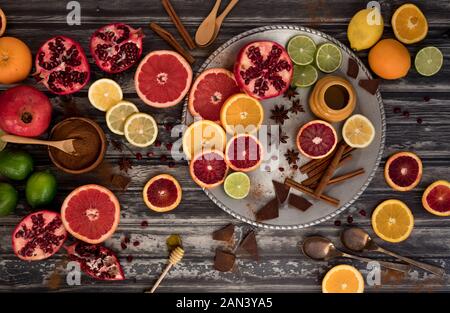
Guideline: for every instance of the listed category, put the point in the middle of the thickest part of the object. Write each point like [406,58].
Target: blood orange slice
[163,78]
[209,92]
[162,193]
[403,171]
[316,139]
[208,168]
[436,198]
[244,153]
[91,213]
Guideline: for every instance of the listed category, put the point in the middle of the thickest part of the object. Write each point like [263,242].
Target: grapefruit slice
[208,168]
[316,139]
[163,78]
[162,193]
[244,153]
[91,213]
[403,171]
[209,92]
[436,198]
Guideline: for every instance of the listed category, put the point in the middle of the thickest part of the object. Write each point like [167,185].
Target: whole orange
[390,59]
[15,60]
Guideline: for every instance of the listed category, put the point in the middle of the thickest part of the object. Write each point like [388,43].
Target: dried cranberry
[337,223]
[419,120]
[163,158]
[406,114]
[169,146]
[150,154]
[138,156]
[123,245]
[426,98]
[144,224]
[397,110]
[129,258]
[362,212]
[157,143]
[136,243]
[349,219]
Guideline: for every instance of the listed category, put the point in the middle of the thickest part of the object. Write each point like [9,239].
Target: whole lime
[8,199]
[15,164]
[40,189]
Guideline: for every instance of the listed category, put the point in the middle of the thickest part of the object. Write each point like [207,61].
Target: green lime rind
[304,75]
[302,50]
[328,57]
[237,185]
[429,61]
[8,199]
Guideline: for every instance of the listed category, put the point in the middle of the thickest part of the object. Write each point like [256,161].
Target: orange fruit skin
[230,164]
[2,22]
[426,193]
[162,209]
[199,182]
[390,59]
[392,184]
[15,60]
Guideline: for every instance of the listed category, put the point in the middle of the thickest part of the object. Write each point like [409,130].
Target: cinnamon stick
[306,190]
[330,170]
[177,22]
[170,39]
[315,178]
[347,176]
[320,169]
[311,165]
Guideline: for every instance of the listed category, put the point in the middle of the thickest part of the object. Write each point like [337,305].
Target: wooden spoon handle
[225,12]
[24,140]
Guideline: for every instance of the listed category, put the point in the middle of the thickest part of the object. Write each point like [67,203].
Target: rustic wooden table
[282,267]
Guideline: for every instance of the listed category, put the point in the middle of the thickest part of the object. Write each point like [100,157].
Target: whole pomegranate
[38,236]
[24,111]
[116,47]
[62,66]
[263,69]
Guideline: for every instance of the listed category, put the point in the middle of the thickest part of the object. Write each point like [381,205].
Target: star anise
[117,145]
[283,137]
[291,156]
[125,165]
[291,93]
[279,114]
[296,107]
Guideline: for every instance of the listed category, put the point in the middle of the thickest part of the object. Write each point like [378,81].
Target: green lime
[8,199]
[40,189]
[304,75]
[15,165]
[2,143]
[237,185]
[429,61]
[301,49]
[328,57]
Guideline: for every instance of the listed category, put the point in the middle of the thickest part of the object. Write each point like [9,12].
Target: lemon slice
[203,135]
[104,93]
[141,129]
[118,114]
[392,220]
[358,131]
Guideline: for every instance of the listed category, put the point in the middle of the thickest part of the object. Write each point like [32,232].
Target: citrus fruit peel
[343,279]
[162,193]
[436,198]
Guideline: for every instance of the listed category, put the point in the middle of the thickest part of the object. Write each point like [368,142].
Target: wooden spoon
[63,145]
[206,29]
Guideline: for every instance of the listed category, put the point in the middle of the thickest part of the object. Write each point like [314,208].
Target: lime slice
[328,58]
[304,75]
[118,114]
[301,49]
[237,185]
[141,129]
[2,143]
[429,61]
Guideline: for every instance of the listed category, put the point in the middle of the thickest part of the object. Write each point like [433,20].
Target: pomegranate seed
[126,239]
[337,223]
[163,158]
[171,164]
[281,169]
[144,224]
[349,219]
[397,110]
[426,98]
[362,212]
[136,243]
[138,156]
[168,127]
[157,143]
[150,154]
[406,114]
[130,258]
[419,120]
[169,146]
[123,245]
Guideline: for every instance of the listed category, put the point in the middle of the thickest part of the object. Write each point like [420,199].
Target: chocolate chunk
[224,234]
[353,68]
[371,85]
[281,191]
[249,244]
[269,211]
[224,261]
[299,202]
[120,181]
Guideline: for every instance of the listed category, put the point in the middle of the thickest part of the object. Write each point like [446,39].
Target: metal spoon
[63,145]
[322,249]
[206,29]
[357,239]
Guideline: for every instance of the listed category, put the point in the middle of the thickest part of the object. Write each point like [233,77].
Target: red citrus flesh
[162,193]
[316,139]
[403,171]
[209,92]
[243,153]
[436,198]
[209,169]
[91,213]
[163,78]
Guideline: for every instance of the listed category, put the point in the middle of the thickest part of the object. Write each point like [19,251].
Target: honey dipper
[175,256]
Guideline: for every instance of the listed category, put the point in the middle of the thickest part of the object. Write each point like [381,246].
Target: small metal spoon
[358,240]
[322,249]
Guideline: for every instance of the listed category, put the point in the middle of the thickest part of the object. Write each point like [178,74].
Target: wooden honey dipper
[175,256]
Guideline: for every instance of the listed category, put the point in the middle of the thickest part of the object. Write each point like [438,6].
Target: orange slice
[162,193]
[241,114]
[392,220]
[436,198]
[409,24]
[343,279]
[203,135]
[403,171]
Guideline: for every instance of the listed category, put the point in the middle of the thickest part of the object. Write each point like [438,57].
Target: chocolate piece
[299,202]
[120,181]
[269,211]
[249,244]
[281,191]
[224,261]
[371,85]
[353,68]
[224,234]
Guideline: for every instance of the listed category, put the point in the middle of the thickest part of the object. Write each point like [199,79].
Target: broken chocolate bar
[224,234]
[371,85]
[224,261]
[281,191]
[249,244]
[299,202]
[269,211]
[353,68]
[120,181]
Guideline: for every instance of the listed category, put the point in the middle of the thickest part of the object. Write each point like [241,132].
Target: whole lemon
[365,29]
[390,59]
